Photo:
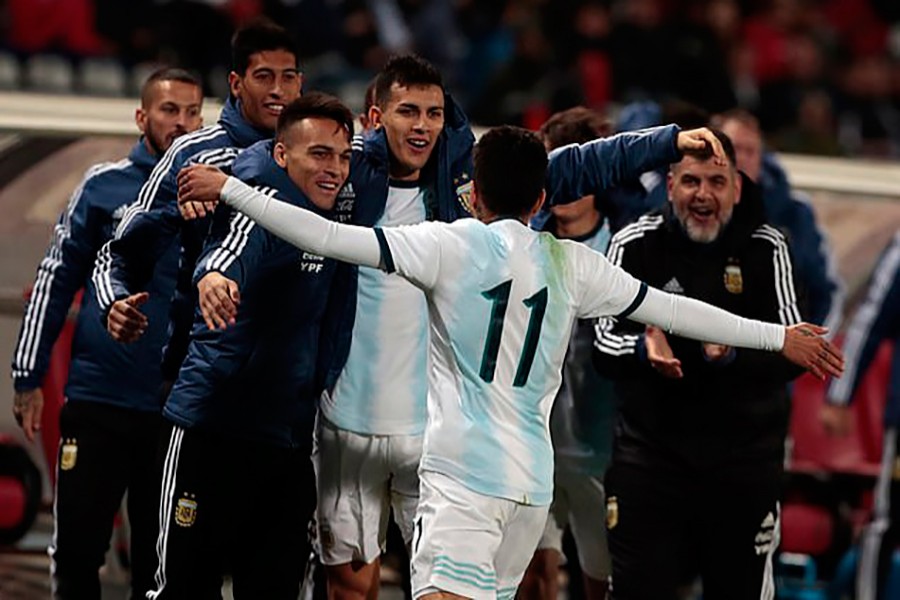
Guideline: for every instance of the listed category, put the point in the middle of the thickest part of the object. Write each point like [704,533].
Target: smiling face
[703,195]
[316,154]
[413,118]
[270,82]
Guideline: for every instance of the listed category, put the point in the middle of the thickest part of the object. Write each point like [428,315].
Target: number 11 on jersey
[499,295]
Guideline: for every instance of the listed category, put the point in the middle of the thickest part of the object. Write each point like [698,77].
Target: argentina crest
[68,454]
[186,510]
[734,279]
[464,191]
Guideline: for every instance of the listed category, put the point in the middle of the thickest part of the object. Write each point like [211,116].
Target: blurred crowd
[823,76]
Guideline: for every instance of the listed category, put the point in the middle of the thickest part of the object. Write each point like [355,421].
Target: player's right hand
[125,322]
[199,187]
[27,408]
[805,346]
[660,354]
[219,298]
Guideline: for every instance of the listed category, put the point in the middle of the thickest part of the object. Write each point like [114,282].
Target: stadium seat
[49,73]
[102,77]
[814,450]
[10,72]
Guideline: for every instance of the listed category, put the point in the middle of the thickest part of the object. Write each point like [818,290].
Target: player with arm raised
[502,299]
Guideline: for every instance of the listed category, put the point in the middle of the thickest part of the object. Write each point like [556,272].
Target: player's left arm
[603,289]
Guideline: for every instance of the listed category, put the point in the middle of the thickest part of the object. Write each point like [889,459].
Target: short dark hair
[167,74]
[314,105]
[405,70]
[727,146]
[577,125]
[259,35]
[510,169]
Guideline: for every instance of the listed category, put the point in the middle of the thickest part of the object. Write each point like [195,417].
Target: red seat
[814,450]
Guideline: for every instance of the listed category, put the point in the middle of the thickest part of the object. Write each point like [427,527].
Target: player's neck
[577,228]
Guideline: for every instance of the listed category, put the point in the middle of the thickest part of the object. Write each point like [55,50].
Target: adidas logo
[347,191]
[673,287]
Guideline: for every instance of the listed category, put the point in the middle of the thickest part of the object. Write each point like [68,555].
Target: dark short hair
[314,105]
[727,146]
[259,35]
[510,168]
[167,74]
[574,126]
[405,70]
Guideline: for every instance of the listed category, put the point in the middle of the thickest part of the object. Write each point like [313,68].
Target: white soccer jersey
[502,299]
[384,384]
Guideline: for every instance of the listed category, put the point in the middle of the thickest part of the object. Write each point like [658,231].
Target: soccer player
[502,300]
[264,79]
[110,421]
[238,482]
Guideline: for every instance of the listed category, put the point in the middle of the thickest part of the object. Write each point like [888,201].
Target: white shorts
[469,544]
[580,503]
[359,478]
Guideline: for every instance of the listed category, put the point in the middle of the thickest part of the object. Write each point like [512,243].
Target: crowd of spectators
[822,75]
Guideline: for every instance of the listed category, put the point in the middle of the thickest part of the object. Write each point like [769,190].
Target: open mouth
[274,108]
[418,145]
[702,213]
[328,186]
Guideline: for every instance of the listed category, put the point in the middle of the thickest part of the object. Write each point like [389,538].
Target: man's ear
[140,119]
[538,204]
[279,153]
[375,115]
[234,83]
[738,186]
[670,183]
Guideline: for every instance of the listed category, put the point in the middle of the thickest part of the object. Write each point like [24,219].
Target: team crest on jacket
[734,280]
[186,510]
[464,192]
[69,454]
[612,512]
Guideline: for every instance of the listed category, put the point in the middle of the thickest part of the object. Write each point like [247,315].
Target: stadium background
[823,76]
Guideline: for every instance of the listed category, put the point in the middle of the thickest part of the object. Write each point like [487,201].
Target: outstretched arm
[302,228]
[802,344]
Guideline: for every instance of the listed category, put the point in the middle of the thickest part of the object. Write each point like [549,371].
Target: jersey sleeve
[125,263]
[602,289]
[576,171]
[877,319]
[234,246]
[61,273]
[412,251]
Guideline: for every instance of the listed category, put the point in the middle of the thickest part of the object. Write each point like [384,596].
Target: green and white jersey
[502,300]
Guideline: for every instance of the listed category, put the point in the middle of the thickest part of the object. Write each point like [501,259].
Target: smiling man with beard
[697,461]
[110,421]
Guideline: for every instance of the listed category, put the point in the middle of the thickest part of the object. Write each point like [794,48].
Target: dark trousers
[104,450]
[231,506]
[667,523]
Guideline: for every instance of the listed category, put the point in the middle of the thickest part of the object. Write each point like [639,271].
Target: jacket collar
[141,157]
[239,129]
